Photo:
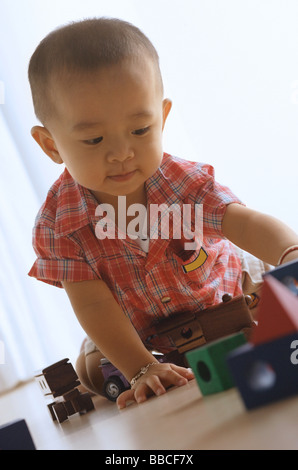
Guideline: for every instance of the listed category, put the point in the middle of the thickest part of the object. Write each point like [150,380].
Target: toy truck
[60,381]
[115,383]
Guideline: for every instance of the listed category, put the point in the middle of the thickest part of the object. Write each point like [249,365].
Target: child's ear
[45,140]
[166,105]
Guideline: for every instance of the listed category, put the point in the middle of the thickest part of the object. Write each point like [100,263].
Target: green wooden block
[209,366]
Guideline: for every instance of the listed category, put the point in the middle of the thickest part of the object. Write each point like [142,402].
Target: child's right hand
[156,380]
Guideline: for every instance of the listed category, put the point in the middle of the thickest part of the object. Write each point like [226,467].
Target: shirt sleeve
[58,259]
[215,199]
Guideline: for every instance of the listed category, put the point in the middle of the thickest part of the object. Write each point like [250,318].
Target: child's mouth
[124,177]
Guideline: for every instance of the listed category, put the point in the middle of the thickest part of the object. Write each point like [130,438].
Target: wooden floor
[180,419]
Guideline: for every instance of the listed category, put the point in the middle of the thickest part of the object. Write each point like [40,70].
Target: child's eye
[141,131]
[93,141]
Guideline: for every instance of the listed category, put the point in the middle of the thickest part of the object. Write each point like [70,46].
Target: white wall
[232,73]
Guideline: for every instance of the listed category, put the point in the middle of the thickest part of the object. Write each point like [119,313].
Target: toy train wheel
[113,387]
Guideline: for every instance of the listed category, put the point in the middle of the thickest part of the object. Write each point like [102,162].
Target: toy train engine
[60,381]
[192,330]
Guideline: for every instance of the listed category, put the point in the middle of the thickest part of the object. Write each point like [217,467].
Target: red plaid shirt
[150,286]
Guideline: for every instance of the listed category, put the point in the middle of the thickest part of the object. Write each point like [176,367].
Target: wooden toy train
[60,381]
[191,330]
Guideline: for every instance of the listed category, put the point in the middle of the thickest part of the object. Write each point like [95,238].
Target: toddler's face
[109,128]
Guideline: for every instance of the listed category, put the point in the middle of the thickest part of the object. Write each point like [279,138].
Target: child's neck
[137,197]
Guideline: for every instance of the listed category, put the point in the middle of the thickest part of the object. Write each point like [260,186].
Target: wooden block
[73,402]
[86,401]
[267,372]
[16,436]
[60,412]
[208,363]
[72,399]
[278,312]
[58,378]
[287,274]
[80,402]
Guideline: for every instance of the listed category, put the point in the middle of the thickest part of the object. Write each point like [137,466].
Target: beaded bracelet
[286,252]
[142,371]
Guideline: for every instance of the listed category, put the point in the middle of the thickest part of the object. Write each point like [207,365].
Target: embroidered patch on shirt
[197,263]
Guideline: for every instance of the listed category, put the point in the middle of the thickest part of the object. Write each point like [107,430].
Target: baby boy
[98,93]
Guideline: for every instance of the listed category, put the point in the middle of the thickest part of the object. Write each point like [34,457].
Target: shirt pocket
[196,261]
[195,268]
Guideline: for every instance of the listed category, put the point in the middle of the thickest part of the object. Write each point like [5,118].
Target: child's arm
[261,235]
[105,323]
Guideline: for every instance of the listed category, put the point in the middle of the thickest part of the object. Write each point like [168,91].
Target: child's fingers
[148,386]
[155,383]
[141,391]
[187,373]
[171,377]
[124,397]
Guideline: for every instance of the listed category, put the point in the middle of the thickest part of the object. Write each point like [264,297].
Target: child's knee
[89,373]
[81,371]
[94,371]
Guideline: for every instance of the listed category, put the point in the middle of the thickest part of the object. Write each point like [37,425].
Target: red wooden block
[278,312]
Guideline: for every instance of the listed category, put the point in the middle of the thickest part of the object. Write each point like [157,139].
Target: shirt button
[165,300]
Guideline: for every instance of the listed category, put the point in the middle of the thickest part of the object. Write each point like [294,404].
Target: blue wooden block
[287,274]
[267,372]
[16,436]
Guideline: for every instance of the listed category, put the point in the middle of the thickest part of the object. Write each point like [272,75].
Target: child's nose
[120,150]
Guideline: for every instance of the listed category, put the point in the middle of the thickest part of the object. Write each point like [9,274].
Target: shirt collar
[76,205]
[170,183]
